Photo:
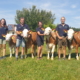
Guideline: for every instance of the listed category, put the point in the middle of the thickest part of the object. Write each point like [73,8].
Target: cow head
[70,34]
[47,31]
[8,36]
[25,33]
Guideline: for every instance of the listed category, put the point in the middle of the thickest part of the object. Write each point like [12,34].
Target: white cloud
[45,5]
[77,17]
[73,6]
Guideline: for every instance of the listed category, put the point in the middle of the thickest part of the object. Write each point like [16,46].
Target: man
[62,40]
[20,40]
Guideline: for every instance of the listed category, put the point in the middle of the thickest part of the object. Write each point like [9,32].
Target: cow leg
[35,48]
[32,51]
[69,57]
[10,52]
[53,49]
[26,50]
[77,57]
[79,54]
[14,49]
[48,55]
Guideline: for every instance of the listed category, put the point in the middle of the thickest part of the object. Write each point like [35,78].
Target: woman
[40,39]
[3,32]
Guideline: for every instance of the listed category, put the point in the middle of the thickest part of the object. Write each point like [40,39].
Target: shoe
[22,56]
[4,57]
[16,59]
[1,57]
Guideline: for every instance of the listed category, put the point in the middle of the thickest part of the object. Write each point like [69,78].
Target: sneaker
[22,56]
[4,57]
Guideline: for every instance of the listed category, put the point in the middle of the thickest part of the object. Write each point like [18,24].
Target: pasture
[33,69]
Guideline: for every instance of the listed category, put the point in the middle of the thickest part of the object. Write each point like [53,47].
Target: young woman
[3,32]
[40,39]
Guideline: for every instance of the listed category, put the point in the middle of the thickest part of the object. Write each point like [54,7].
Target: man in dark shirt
[61,34]
[20,40]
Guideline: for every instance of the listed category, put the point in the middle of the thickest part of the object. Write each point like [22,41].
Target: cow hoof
[77,58]
[25,56]
[32,57]
[69,58]
[52,59]
[48,58]
[10,56]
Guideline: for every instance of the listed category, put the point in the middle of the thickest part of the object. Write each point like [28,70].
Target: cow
[12,42]
[73,42]
[31,43]
[50,41]
[11,38]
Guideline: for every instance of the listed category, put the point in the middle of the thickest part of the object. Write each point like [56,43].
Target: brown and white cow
[31,43]
[12,42]
[50,41]
[11,38]
[73,42]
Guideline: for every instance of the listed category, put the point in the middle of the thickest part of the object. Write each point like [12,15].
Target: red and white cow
[50,41]
[73,42]
[11,38]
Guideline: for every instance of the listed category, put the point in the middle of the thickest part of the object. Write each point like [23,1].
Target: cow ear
[42,29]
[76,32]
[53,29]
[30,32]
[65,31]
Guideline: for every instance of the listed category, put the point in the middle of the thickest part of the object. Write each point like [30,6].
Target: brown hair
[4,22]
[40,21]
[21,18]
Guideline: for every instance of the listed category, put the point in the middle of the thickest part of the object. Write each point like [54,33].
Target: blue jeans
[20,42]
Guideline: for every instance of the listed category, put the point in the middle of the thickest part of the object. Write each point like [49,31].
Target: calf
[73,42]
[31,43]
[12,43]
[11,38]
[50,41]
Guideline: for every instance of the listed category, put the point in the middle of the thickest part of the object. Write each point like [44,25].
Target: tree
[33,15]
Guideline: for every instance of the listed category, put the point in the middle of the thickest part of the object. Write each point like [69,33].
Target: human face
[62,20]
[2,22]
[22,21]
[40,24]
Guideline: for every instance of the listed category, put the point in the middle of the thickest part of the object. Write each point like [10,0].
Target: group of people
[40,37]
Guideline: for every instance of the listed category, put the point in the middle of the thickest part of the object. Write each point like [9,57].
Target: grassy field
[33,69]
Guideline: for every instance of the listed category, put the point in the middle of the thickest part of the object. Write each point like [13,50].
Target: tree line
[33,15]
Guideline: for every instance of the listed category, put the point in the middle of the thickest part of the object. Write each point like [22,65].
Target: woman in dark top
[3,32]
[40,39]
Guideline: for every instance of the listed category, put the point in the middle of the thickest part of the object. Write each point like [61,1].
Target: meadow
[33,69]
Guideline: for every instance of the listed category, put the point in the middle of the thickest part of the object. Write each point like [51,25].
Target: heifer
[50,41]
[12,43]
[73,42]
[31,42]
[11,38]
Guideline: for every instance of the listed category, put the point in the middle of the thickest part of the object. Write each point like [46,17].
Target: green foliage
[53,26]
[75,29]
[33,15]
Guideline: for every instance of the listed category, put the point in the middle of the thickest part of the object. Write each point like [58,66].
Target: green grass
[33,69]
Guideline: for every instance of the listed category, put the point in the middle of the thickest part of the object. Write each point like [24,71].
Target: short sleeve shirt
[41,32]
[60,28]
[21,28]
[3,31]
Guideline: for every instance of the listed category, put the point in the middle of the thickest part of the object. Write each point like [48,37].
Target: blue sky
[68,8]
